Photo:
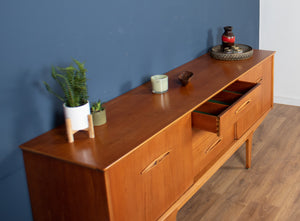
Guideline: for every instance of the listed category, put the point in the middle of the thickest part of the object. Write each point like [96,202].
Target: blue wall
[122,42]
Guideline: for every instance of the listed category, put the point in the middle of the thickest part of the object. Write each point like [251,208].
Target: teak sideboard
[156,150]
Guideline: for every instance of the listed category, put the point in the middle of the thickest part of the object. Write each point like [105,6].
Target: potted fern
[98,113]
[72,81]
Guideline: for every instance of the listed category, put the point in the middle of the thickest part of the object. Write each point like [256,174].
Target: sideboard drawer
[208,146]
[255,74]
[225,108]
[208,116]
[261,74]
[248,112]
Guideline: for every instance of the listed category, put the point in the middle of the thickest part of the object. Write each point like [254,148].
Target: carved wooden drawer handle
[259,80]
[243,106]
[155,162]
[211,147]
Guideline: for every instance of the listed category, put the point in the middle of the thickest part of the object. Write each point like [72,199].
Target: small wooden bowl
[185,77]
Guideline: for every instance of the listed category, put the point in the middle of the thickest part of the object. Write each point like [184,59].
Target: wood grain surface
[138,115]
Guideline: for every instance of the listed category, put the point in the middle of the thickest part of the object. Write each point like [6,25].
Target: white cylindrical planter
[78,116]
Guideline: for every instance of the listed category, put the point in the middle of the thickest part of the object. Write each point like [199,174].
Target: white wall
[280,31]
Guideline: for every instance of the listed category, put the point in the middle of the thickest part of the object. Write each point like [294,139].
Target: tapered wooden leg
[91,127]
[69,130]
[248,150]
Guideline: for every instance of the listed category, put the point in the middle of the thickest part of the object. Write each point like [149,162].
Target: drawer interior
[209,115]
[211,108]
[226,97]
[240,87]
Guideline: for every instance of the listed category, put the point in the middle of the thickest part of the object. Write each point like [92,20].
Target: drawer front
[225,108]
[248,112]
[263,74]
[246,103]
[207,148]
[254,75]
[146,182]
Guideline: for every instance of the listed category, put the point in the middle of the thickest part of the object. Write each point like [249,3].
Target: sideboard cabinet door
[143,184]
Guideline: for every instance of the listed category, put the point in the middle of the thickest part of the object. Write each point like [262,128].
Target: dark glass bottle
[228,38]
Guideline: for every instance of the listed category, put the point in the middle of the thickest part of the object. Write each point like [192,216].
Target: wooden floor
[270,190]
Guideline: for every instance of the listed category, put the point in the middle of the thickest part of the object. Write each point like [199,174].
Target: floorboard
[270,190]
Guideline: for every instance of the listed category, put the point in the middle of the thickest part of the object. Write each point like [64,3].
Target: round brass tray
[246,52]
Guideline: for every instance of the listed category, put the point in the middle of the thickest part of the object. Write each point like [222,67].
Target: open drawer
[227,107]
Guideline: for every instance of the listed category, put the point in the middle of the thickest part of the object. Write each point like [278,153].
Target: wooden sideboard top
[136,116]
